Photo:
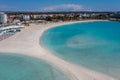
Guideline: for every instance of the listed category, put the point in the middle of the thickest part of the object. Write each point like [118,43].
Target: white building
[15,21]
[26,17]
[3,18]
[86,15]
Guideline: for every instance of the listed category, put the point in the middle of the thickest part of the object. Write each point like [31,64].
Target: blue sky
[60,5]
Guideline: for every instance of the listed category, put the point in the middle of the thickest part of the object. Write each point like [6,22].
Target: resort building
[17,17]
[3,18]
[115,17]
[26,17]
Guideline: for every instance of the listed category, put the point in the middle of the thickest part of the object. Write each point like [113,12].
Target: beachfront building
[115,17]
[56,16]
[15,21]
[3,18]
[26,17]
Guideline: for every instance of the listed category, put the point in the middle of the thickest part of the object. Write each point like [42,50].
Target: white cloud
[63,7]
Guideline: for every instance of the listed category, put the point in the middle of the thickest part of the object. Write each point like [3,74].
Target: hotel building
[3,18]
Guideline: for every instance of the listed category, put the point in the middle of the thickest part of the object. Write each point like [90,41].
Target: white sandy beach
[27,42]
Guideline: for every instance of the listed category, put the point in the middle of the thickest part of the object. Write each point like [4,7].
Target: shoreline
[27,42]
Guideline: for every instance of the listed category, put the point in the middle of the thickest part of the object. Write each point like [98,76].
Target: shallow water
[95,45]
[18,67]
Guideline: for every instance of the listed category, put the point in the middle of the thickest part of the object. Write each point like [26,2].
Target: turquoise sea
[94,45]
[19,67]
